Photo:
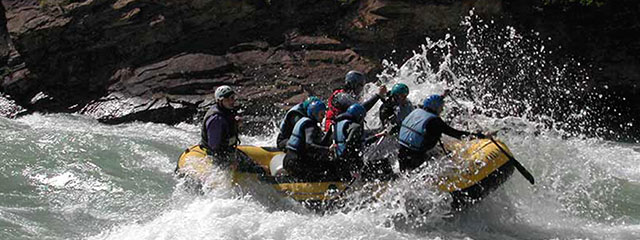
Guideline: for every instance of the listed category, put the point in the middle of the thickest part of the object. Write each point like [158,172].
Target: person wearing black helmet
[307,151]
[219,131]
[395,108]
[421,130]
[294,114]
[347,95]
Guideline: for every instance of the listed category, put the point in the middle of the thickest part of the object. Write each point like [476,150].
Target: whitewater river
[70,177]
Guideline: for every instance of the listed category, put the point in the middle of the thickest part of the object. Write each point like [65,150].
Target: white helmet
[223,91]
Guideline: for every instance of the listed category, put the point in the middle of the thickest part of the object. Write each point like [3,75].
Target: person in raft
[350,140]
[294,114]
[308,149]
[395,108]
[347,95]
[421,130]
[219,132]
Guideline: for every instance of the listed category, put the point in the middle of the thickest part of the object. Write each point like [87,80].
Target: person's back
[421,130]
[294,114]
[307,150]
[349,138]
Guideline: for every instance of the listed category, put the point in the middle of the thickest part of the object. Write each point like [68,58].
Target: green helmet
[309,100]
[399,88]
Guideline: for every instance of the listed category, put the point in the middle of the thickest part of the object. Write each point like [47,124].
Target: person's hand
[332,148]
[491,134]
[382,91]
[486,135]
[446,93]
[380,134]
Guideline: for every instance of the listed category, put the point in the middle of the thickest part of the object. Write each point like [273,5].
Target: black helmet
[354,80]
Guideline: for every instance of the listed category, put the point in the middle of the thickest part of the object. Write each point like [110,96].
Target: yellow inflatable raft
[482,167]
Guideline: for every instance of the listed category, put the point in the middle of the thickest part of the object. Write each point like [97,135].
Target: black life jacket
[230,135]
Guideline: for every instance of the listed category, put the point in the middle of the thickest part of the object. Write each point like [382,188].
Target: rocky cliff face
[124,60]
[158,61]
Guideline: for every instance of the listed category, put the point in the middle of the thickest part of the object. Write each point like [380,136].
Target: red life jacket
[333,111]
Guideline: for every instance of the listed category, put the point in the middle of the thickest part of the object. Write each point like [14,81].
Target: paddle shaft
[525,173]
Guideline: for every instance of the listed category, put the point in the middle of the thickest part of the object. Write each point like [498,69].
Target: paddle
[356,177]
[525,173]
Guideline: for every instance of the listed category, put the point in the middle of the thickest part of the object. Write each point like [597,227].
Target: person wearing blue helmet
[350,140]
[395,108]
[421,130]
[348,94]
[307,151]
[290,119]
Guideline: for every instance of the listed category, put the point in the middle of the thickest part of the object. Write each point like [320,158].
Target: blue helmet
[357,111]
[354,80]
[433,103]
[309,100]
[314,108]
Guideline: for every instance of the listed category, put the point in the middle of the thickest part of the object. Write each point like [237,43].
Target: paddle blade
[525,173]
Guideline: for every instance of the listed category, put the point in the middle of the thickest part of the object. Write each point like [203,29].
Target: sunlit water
[70,177]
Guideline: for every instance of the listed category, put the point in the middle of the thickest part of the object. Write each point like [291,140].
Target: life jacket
[285,126]
[390,109]
[402,111]
[297,140]
[333,111]
[230,137]
[340,134]
[412,131]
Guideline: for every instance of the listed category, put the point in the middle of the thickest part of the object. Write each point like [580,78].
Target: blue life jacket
[340,134]
[412,131]
[340,137]
[402,111]
[297,140]
[285,126]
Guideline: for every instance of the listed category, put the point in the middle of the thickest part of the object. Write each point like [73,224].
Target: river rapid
[67,176]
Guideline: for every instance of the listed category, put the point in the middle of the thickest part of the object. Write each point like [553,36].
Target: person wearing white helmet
[219,132]
[345,96]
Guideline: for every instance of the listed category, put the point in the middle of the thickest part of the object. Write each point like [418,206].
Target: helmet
[357,111]
[354,79]
[342,101]
[223,91]
[433,103]
[309,100]
[399,88]
[314,108]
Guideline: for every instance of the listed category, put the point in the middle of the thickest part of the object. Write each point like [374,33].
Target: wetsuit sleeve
[386,113]
[448,130]
[313,139]
[371,139]
[368,104]
[215,131]
[354,135]
[327,139]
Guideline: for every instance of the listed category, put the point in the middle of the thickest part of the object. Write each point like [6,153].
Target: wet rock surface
[128,60]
